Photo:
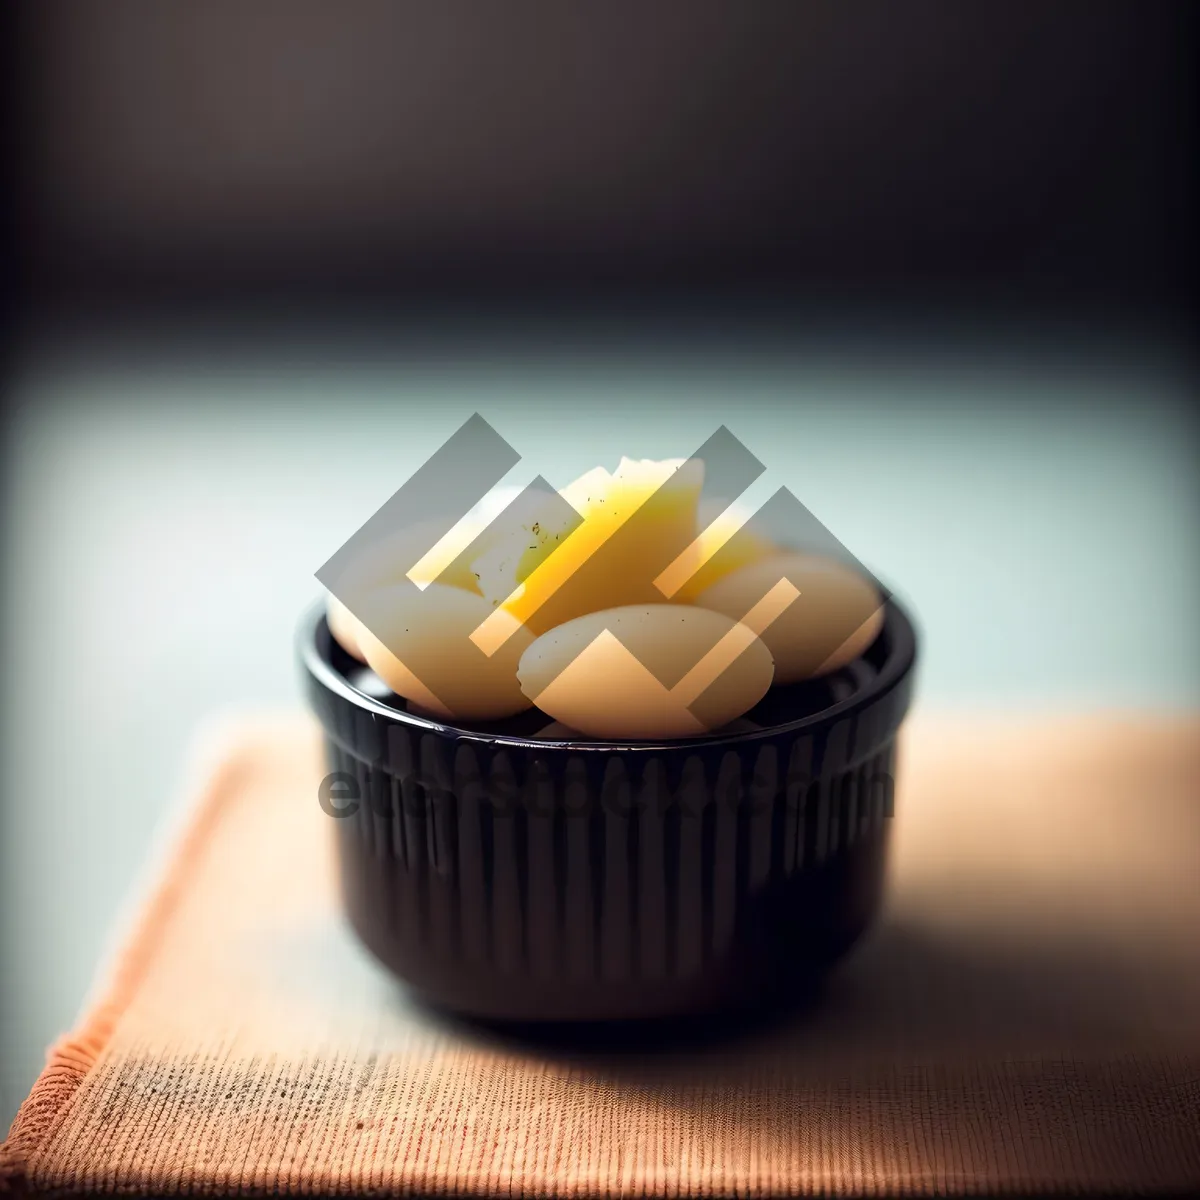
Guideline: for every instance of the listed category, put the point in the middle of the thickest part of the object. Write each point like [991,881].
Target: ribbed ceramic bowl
[513,878]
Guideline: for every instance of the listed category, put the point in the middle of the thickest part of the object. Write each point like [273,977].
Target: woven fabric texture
[1025,1017]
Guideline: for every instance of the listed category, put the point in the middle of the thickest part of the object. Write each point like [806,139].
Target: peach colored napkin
[1027,1016]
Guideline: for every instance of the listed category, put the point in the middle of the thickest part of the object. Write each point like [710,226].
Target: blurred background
[931,262]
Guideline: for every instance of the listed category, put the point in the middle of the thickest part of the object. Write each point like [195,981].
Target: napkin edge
[219,750]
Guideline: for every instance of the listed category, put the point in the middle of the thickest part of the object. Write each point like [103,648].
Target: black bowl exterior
[515,879]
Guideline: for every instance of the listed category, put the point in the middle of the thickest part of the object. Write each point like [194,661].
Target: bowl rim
[898,665]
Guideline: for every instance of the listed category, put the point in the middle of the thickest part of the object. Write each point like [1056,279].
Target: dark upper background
[1038,157]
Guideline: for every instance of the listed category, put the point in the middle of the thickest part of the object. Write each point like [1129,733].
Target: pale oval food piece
[386,561]
[603,673]
[837,615]
[419,644]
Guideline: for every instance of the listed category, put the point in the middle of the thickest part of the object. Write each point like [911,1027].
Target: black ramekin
[514,878]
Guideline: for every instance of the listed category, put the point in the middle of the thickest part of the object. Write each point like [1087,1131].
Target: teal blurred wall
[1038,512]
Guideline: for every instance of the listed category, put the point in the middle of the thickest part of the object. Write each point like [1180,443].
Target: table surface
[1023,1015]
[165,520]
